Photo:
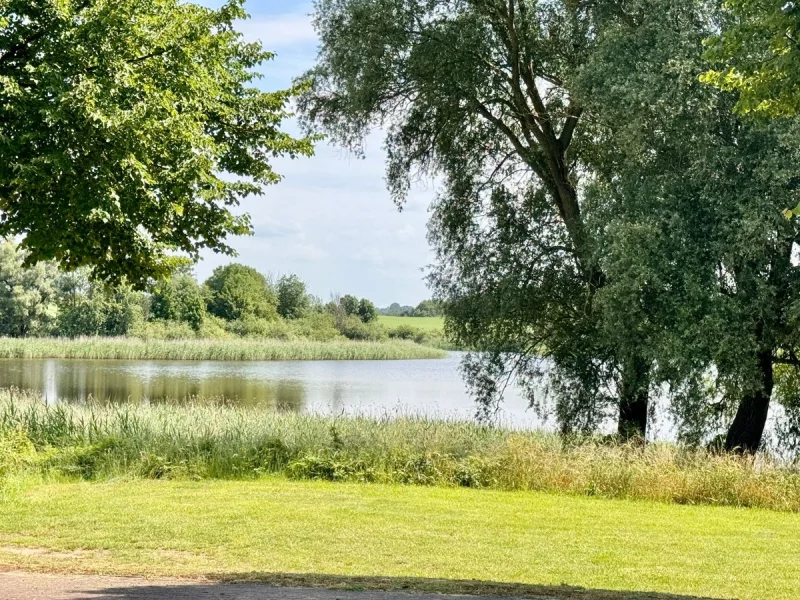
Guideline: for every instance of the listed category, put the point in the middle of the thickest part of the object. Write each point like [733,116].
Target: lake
[432,387]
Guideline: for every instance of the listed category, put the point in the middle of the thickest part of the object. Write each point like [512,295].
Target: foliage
[293,300]
[28,296]
[349,305]
[237,291]
[689,195]
[118,119]
[483,95]
[353,328]
[179,299]
[757,54]
[367,311]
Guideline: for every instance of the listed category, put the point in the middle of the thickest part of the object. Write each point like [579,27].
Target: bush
[317,326]
[354,328]
[403,332]
[212,328]
[163,330]
[254,327]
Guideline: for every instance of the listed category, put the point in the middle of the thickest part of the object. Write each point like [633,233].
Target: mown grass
[435,539]
[203,440]
[422,323]
[199,349]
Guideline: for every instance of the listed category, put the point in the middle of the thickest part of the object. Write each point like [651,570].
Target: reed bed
[207,440]
[199,349]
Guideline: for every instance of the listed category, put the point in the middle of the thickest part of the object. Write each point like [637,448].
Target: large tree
[690,198]
[118,122]
[481,93]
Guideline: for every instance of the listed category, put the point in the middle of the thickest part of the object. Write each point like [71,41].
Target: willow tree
[480,94]
[118,119]
[692,195]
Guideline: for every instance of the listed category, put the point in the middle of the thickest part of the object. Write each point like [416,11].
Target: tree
[698,257]
[293,300]
[179,299]
[27,295]
[90,308]
[237,292]
[349,305]
[367,311]
[757,54]
[481,93]
[117,121]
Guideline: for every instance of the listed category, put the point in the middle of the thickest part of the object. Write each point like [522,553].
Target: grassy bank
[225,349]
[378,536]
[208,441]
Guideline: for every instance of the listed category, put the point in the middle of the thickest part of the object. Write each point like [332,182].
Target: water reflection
[427,386]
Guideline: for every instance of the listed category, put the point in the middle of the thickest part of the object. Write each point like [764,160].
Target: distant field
[424,323]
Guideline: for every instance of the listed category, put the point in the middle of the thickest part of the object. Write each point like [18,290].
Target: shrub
[163,330]
[354,328]
[317,326]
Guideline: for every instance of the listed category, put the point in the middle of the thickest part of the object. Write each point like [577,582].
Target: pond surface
[433,387]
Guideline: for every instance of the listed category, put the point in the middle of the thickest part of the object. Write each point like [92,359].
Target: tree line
[617,178]
[426,308]
[42,300]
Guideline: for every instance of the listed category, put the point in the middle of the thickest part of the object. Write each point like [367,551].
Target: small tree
[293,300]
[349,305]
[236,291]
[179,299]
[367,311]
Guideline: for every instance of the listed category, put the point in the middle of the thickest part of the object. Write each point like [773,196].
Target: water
[433,387]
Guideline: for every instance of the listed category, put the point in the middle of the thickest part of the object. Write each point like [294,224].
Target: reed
[210,349]
[203,439]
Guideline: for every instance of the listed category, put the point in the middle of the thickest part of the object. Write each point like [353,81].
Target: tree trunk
[747,429]
[634,394]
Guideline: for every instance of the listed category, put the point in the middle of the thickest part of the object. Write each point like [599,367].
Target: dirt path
[34,586]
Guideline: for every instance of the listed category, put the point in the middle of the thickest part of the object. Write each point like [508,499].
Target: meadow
[428,324]
[207,440]
[213,349]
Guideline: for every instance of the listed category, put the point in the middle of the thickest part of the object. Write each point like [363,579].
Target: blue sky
[330,220]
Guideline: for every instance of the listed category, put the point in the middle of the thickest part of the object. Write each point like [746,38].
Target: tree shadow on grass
[286,586]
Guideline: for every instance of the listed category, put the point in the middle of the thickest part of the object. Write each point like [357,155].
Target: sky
[331,220]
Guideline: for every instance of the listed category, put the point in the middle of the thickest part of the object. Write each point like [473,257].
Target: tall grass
[206,440]
[225,349]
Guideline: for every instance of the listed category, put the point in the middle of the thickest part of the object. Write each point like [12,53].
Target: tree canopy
[757,54]
[118,119]
[600,206]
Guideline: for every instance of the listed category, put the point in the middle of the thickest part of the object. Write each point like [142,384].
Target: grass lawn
[390,536]
[423,323]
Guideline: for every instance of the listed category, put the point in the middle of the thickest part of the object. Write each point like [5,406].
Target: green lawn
[423,323]
[390,536]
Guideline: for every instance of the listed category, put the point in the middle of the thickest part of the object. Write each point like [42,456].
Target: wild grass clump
[206,440]
[211,349]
